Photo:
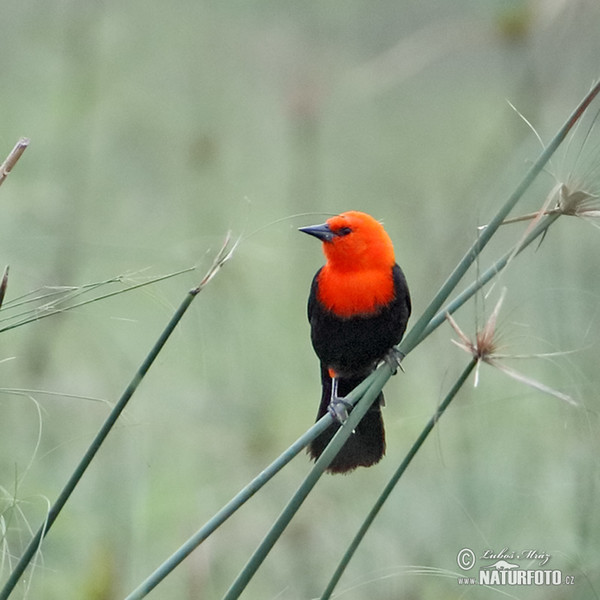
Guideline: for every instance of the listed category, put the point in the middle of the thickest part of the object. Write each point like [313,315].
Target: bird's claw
[394,359]
[339,409]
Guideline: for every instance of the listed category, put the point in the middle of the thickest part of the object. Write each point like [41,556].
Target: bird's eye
[344,231]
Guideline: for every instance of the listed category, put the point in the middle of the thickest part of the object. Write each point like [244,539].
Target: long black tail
[366,444]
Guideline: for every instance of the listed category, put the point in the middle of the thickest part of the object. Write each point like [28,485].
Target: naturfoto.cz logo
[503,568]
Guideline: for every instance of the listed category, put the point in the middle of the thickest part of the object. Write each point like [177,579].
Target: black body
[352,347]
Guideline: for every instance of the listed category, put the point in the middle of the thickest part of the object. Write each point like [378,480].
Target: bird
[358,309]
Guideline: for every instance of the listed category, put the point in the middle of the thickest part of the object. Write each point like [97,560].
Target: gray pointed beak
[321,232]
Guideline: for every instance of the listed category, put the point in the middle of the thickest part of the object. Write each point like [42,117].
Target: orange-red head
[354,240]
[357,278]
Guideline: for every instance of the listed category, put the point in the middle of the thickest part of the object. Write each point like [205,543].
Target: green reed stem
[395,478]
[89,455]
[248,491]
[307,485]
[35,543]
[485,277]
[416,332]
[368,390]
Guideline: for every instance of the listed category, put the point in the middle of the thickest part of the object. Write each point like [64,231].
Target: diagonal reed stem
[395,478]
[222,515]
[485,277]
[416,332]
[35,543]
[432,317]
[247,492]
[89,455]
[365,393]
[307,485]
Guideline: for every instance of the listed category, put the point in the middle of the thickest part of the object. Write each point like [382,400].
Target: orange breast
[355,293]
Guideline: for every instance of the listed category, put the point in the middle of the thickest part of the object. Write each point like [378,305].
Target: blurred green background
[155,128]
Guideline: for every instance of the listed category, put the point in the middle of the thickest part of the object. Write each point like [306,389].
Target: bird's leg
[338,407]
[393,357]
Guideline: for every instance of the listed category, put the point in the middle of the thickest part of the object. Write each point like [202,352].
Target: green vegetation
[154,130]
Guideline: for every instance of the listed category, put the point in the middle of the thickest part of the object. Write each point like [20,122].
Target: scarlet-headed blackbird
[358,308]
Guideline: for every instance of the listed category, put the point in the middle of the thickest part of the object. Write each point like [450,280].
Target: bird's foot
[339,409]
[394,358]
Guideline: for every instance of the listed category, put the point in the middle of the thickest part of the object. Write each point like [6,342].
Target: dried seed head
[577,192]
[578,203]
[485,345]
[485,348]
[3,284]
